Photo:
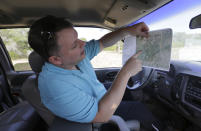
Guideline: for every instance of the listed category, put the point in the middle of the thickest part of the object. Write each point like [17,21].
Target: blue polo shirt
[72,94]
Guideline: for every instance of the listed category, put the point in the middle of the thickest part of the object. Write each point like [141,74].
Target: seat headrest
[36,62]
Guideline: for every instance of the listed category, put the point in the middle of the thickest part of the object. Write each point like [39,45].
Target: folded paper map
[156,49]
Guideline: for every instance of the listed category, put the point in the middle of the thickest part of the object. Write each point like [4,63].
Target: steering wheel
[141,79]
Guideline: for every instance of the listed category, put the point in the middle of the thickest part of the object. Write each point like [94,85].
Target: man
[68,84]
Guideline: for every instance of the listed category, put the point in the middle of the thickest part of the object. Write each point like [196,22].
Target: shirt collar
[52,68]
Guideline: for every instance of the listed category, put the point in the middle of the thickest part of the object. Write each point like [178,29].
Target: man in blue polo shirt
[72,94]
[68,84]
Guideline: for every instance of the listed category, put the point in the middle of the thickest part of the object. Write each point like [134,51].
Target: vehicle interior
[173,96]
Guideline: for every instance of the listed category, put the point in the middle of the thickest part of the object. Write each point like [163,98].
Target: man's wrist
[125,72]
[128,31]
[125,31]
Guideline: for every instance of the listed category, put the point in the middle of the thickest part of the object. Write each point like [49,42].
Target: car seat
[16,117]
[30,89]
[31,93]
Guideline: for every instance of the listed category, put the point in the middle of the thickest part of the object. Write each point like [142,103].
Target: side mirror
[195,22]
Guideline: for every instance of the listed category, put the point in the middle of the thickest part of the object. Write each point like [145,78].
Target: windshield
[186,44]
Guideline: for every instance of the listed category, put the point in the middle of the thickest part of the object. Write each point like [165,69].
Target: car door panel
[107,75]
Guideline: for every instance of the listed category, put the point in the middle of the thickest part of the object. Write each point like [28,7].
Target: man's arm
[111,100]
[111,38]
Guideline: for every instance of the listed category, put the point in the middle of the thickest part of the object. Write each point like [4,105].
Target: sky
[179,22]
[170,9]
[175,15]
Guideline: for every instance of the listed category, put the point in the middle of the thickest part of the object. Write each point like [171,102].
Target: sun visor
[131,10]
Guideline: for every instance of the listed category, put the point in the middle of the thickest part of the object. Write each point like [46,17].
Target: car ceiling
[101,13]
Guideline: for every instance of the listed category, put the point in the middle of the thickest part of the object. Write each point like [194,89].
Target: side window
[15,41]
[17,45]
[109,57]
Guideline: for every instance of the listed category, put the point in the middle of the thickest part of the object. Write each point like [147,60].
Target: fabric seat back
[30,89]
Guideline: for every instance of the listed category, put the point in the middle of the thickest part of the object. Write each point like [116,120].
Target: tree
[16,42]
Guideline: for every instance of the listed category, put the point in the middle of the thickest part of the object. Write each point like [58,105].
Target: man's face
[71,49]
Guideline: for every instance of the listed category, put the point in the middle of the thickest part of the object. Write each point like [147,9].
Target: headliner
[100,13]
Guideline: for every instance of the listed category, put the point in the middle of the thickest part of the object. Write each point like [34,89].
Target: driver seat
[31,92]
[32,95]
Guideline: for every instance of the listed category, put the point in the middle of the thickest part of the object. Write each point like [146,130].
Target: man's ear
[55,60]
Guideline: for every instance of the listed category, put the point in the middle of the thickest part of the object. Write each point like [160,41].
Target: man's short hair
[42,35]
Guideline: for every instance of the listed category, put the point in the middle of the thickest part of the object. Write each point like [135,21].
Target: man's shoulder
[92,48]
[54,77]
[92,41]
[50,69]
[54,83]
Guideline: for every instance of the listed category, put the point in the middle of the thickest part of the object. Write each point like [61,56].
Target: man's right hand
[133,65]
[111,100]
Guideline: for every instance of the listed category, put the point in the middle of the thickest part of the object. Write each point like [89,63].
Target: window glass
[186,42]
[109,57]
[177,15]
[16,43]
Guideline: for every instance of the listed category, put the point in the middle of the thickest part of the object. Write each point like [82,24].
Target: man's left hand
[140,29]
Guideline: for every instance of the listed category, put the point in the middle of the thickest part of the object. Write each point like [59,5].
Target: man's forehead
[67,31]
[67,35]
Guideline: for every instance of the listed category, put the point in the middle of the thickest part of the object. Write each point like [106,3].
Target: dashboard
[180,88]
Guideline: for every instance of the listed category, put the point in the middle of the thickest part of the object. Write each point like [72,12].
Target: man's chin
[83,56]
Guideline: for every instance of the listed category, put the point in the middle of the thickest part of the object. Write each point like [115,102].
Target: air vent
[161,74]
[178,81]
[193,93]
[175,89]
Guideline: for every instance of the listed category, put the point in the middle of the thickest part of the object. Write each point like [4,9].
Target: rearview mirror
[195,22]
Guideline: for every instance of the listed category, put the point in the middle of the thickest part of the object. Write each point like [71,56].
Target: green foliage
[84,39]
[16,42]
[111,48]
[180,39]
[17,45]
[13,55]
[115,47]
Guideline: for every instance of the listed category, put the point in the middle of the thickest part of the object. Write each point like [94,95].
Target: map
[156,49]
